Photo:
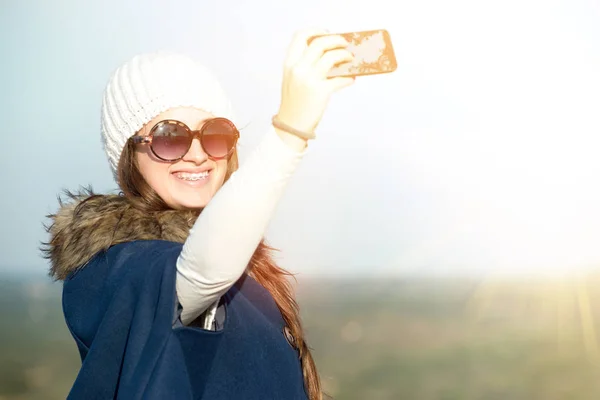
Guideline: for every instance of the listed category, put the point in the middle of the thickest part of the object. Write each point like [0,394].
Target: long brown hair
[262,266]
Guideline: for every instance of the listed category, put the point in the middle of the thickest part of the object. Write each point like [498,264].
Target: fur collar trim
[87,223]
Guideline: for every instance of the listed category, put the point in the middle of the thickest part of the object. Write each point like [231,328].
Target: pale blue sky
[480,153]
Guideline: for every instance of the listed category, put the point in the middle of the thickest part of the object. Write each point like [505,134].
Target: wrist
[283,125]
[292,141]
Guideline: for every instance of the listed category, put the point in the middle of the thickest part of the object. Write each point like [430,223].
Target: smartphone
[373,54]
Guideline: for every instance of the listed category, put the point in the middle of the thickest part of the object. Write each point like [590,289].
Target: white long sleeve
[229,229]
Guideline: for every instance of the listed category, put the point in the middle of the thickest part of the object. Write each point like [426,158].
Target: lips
[192,170]
[191,176]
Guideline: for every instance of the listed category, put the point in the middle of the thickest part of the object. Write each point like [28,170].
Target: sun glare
[563,305]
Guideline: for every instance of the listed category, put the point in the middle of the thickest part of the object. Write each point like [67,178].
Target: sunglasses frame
[137,139]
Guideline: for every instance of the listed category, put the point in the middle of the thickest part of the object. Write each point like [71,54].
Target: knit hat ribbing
[149,84]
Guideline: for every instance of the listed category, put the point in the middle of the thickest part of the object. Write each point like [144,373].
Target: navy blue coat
[121,308]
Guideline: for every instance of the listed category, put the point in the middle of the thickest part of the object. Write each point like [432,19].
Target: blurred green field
[426,339]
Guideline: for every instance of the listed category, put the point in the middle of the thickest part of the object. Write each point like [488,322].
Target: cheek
[221,172]
[154,173]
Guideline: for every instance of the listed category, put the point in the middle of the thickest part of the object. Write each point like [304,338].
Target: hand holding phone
[373,54]
[306,89]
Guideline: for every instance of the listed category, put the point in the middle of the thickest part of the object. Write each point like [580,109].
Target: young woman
[169,290]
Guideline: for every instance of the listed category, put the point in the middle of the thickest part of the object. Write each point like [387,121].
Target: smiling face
[191,182]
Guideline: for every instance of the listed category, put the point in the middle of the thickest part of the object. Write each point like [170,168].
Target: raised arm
[229,229]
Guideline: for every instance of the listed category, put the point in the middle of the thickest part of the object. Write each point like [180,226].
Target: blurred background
[443,227]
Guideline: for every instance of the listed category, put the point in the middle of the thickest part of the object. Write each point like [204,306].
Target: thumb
[339,82]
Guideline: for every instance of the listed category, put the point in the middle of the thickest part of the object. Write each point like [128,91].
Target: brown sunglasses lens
[218,138]
[170,141]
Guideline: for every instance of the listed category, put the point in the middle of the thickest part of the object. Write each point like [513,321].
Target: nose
[195,153]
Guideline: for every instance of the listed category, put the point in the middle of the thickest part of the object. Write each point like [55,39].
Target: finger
[338,83]
[322,44]
[299,44]
[332,58]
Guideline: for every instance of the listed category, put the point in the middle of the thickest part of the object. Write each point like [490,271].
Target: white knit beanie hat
[149,84]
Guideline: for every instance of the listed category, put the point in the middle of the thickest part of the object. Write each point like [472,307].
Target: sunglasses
[170,140]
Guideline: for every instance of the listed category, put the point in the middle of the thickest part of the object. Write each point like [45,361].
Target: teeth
[192,177]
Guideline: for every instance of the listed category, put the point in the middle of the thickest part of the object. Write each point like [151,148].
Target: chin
[193,195]
[191,203]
